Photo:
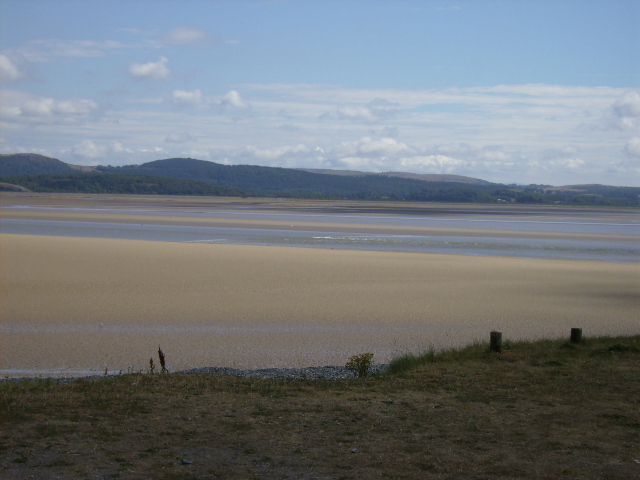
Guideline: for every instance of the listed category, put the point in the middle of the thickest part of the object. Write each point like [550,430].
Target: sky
[542,92]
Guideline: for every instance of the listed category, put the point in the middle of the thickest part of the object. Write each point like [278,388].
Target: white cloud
[395,100]
[153,70]
[367,153]
[572,163]
[431,164]
[23,107]
[105,151]
[47,50]
[88,148]
[9,71]
[91,149]
[184,36]
[183,98]
[288,127]
[235,100]
[569,150]
[495,156]
[632,148]
[454,149]
[628,105]
[626,111]
[368,147]
[354,112]
[183,137]
[623,114]
[275,153]
[374,111]
[357,163]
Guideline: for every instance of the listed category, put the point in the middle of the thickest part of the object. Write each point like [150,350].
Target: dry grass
[538,410]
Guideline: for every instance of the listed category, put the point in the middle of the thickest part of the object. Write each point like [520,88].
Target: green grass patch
[549,352]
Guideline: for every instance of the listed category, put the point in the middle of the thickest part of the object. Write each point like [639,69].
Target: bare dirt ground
[540,410]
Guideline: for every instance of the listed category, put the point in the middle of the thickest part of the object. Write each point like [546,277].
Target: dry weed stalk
[162,361]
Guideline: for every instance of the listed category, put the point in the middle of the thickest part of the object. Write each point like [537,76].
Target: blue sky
[507,91]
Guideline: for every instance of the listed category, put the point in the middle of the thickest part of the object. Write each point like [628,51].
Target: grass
[544,409]
[552,351]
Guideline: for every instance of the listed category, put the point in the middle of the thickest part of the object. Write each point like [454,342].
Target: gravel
[317,373]
[327,372]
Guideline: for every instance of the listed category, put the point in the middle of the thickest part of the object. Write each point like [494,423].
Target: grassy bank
[542,409]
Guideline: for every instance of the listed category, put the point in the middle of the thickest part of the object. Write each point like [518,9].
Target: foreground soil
[538,410]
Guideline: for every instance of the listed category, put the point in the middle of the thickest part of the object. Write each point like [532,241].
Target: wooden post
[576,335]
[496,342]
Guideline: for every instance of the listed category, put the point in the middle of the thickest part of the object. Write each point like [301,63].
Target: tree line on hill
[185,176]
[118,184]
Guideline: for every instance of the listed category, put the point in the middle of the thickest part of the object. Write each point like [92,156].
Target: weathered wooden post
[576,335]
[495,344]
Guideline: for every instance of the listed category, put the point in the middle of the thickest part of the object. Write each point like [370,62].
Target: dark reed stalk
[162,361]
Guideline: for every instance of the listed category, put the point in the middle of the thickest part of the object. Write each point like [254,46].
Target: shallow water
[485,242]
[562,221]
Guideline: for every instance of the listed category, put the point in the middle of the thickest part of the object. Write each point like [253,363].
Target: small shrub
[361,364]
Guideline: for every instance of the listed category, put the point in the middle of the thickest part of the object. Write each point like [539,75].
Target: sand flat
[77,304]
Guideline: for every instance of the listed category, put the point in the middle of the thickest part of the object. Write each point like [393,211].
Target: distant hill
[426,177]
[32,164]
[188,176]
[116,183]
[270,181]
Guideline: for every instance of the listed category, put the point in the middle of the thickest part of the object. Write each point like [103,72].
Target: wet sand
[72,305]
